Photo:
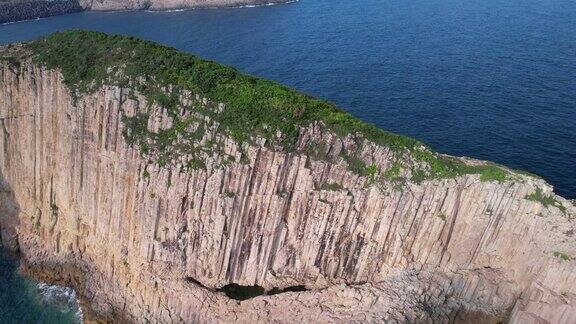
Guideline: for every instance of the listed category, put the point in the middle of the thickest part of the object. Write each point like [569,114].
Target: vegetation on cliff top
[254,107]
[545,200]
[562,256]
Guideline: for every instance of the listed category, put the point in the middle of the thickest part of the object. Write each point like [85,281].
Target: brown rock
[77,204]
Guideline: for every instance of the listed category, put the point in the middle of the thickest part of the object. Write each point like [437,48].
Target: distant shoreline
[29,10]
[18,11]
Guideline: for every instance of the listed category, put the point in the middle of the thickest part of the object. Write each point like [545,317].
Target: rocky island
[171,189]
[16,10]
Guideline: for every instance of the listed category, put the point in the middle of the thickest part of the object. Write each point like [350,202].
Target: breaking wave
[63,298]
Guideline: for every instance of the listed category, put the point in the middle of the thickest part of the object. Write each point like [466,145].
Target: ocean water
[490,79]
[23,300]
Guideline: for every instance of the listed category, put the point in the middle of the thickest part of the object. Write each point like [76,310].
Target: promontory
[170,189]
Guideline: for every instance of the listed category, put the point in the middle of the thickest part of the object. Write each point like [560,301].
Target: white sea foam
[25,20]
[267,4]
[64,298]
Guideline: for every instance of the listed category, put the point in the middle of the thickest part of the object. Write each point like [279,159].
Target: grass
[392,172]
[442,167]
[371,171]
[356,165]
[89,60]
[253,107]
[492,175]
[545,200]
[562,256]
[229,194]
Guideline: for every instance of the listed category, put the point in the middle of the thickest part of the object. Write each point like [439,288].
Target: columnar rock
[139,240]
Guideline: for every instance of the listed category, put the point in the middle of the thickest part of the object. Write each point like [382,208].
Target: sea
[488,79]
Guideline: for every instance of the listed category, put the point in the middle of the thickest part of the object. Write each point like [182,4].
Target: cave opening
[276,290]
[196,282]
[239,292]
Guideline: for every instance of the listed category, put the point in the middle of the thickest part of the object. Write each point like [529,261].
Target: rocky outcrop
[317,241]
[24,10]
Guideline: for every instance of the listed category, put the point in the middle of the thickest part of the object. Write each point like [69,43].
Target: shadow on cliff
[9,221]
[240,292]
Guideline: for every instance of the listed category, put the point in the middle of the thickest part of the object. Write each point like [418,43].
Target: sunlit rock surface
[138,241]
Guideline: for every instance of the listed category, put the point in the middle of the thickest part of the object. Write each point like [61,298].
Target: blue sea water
[489,79]
[23,300]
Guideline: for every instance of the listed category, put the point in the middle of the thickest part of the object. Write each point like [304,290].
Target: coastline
[247,4]
[66,278]
[268,4]
[29,10]
[25,298]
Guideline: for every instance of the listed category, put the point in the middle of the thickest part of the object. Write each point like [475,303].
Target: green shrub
[545,200]
[562,256]
[89,60]
[356,165]
[418,175]
[392,172]
[492,174]
[254,107]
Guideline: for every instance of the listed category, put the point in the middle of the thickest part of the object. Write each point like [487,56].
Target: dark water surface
[23,300]
[490,79]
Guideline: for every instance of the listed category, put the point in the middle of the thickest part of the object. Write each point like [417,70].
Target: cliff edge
[167,188]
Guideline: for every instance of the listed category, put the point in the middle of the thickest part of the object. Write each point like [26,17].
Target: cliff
[166,188]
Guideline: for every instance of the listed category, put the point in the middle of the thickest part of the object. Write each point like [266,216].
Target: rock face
[144,242]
